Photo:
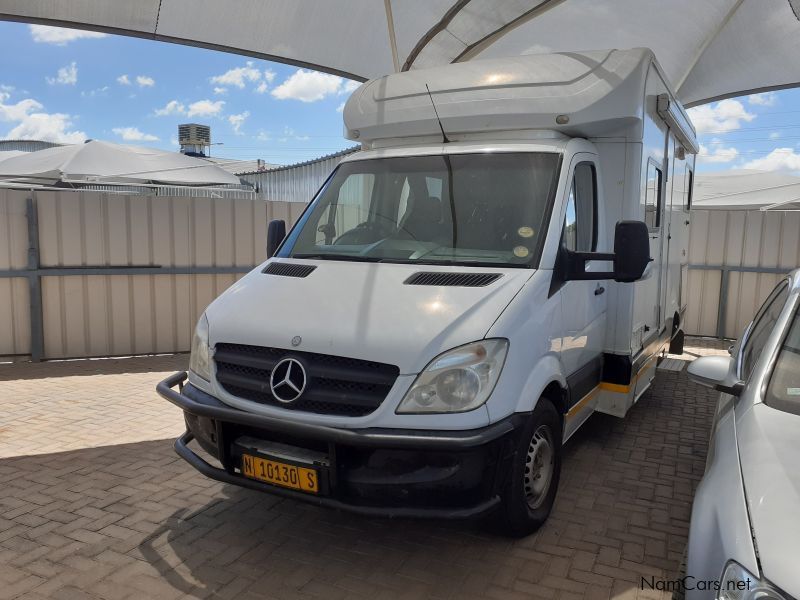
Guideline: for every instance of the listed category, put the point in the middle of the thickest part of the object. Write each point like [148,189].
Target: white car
[745,530]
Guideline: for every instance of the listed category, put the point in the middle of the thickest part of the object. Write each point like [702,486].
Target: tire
[530,490]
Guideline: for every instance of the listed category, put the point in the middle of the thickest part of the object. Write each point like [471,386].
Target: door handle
[599,290]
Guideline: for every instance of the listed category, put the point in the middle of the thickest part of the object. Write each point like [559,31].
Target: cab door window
[580,222]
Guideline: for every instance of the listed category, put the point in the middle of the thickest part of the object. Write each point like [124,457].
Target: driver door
[583,303]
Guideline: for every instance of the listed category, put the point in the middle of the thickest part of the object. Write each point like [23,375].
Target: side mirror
[631,250]
[716,372]
[630,257]
[276,231]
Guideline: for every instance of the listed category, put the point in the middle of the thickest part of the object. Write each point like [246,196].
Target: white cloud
[269,77]
[44,34]
[205,108]
[308,86]
[774,135]
[763,99]
[349,87]
[132,134]
[717,153]
[32,125]
[145,81]
[291,134]
[263,136]
[238,76]
[96,92]
[780,159]
[340,108]
[220,91]
[123,80]
[173,107]
[18,111]
[724,116]
[66,75]
[237,121]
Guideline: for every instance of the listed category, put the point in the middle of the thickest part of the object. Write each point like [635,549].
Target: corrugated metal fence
[96,274]
[295,183]
[736,257]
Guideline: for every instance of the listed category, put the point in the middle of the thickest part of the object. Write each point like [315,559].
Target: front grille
[336,385]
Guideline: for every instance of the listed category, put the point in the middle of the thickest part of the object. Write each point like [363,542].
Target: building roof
[344,152]
[746,189]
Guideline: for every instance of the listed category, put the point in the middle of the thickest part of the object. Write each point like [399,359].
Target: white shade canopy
[97,162]
[746,189]
[710,49]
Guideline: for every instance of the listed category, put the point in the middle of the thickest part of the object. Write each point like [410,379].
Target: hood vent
[453,279]
[286,269]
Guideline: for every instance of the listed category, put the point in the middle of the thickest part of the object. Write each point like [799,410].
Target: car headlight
[199,360]
[458,380]
[738,583]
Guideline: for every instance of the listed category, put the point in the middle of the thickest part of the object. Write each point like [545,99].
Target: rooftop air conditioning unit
[194,138]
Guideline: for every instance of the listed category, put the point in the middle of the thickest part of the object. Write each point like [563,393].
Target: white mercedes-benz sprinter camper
[505,255]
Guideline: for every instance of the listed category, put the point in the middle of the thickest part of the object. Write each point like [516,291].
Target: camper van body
[619,146]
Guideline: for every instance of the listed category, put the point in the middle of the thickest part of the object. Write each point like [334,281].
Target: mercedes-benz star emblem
[288,380]
[296,340]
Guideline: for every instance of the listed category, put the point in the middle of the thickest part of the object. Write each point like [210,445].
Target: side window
[652,196]
[762,327]
[580,223]
[689,187]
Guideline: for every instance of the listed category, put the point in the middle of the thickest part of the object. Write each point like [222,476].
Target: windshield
[465,209]
[783,391]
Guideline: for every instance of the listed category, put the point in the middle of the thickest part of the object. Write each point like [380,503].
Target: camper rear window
[652,197]
[462,209]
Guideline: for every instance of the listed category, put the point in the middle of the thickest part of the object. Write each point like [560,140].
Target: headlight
[199,360]
[739,584]
[459,380]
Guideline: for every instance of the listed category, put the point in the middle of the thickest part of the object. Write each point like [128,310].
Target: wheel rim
[539,466]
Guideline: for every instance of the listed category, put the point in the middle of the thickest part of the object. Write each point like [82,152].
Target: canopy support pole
[392,37]
[706,43]
[477,47]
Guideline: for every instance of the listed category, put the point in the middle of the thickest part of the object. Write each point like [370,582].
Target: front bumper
[378,472]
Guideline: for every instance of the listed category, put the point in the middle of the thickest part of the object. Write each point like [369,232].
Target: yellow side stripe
[619,388]
[616,388]
[582,402]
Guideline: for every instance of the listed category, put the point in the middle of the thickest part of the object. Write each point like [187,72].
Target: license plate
[279,473]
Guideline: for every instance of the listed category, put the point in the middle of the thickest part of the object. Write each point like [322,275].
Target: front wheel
[532,483]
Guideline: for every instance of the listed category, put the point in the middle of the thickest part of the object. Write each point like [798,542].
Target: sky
[66,85]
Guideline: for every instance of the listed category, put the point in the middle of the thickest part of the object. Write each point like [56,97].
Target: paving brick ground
[95,504]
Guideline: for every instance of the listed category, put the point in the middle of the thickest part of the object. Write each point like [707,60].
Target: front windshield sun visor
[485,210]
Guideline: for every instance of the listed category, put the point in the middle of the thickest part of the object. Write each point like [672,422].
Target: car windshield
[488,209]
[783,391]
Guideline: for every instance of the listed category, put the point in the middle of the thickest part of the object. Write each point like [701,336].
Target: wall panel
[755,247]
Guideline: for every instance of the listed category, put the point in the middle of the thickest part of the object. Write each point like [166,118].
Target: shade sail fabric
[104,162]
[710,49]
[746,190]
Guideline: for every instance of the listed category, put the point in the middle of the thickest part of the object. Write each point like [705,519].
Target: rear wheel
[531,488]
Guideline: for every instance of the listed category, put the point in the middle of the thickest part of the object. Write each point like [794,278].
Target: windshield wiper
[348,257]
[455,263]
